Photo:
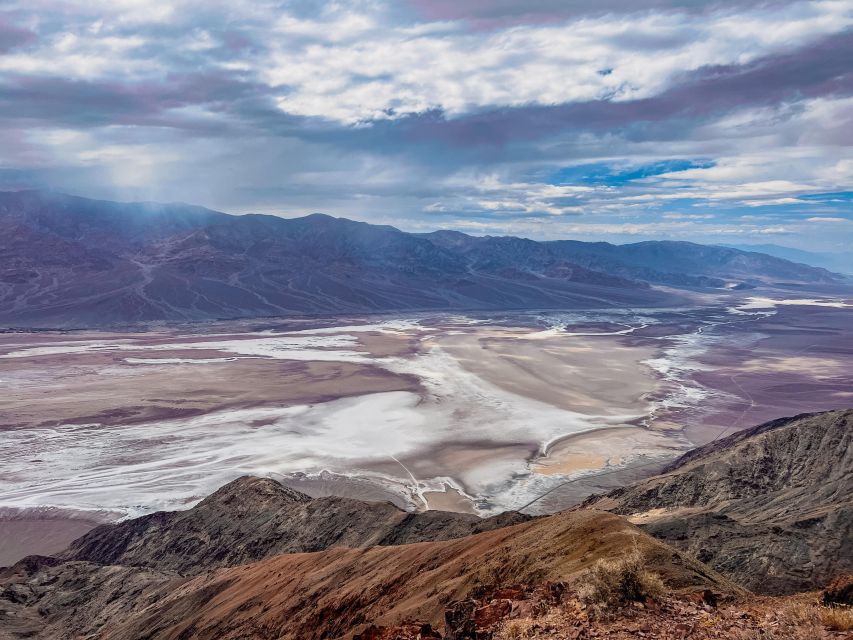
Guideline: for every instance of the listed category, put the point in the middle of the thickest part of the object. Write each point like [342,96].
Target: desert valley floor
[478,413]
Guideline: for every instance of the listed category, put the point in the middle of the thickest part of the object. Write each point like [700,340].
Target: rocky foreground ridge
[770,507]
[257,560]
[328,594]
[254,518]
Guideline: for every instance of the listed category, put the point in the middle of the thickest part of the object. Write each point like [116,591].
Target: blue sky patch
[614,176]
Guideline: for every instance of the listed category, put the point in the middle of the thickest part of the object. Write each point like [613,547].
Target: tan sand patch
[448,500]
[570,463]
[665,425]
[794,364]
[653,515]
[591,375]
[384,345]
[593,450]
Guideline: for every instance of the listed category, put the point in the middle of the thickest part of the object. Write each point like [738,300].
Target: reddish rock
[428,632]
[406,631]
[523,609]
[489,615]
[550,592]
[509,593]
[710,598]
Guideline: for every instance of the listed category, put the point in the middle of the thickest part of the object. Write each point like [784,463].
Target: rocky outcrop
[254,518]
[50,599]
[405,631]
[556,611]
[771,507]
[839,592]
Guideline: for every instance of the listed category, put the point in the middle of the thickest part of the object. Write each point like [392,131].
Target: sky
[619,120]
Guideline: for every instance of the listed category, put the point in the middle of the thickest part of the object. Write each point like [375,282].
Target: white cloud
[493,195]
[554,228]
[81,57]
[687,216]
[355,68]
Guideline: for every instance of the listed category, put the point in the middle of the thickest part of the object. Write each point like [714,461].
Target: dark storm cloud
[12,37]
[817,70]
[93,103]
[497,13]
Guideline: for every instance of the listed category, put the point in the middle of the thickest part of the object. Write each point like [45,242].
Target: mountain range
[838,261]
[67,261]
[258,560]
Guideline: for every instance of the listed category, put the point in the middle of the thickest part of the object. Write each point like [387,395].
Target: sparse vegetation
[801,617]
[618,582]
[837,618]
[810,614]
[516,629]
[542,625]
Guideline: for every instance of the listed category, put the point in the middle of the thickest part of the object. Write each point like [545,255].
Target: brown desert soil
[333,593]
[448,500]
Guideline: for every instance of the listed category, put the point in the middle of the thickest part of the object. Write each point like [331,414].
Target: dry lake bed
[478,413]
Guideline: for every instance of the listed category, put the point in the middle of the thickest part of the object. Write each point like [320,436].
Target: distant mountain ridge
[67,261]
[836,261]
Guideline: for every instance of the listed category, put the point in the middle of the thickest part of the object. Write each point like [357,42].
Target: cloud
[491,14]
[13,37]
[687,216]
[489,194]
[353,71]
[683,117]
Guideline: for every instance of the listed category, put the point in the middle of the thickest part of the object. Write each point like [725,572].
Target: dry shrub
[621,581]
[799,612]
[544,625]
[837,618]
[813,615]
[771,633]
[516,629]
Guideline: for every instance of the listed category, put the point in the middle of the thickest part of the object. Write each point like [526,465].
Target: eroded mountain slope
[254,518]
[771,507]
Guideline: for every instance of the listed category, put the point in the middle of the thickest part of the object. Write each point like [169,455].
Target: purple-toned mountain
[676,264]
[67,261]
